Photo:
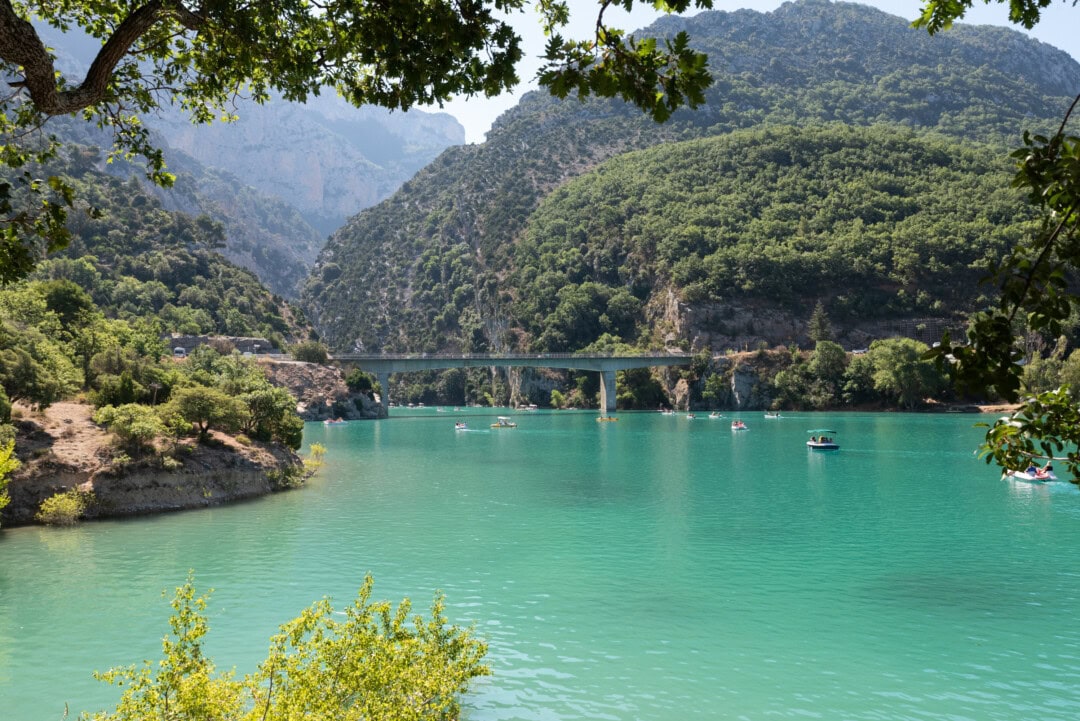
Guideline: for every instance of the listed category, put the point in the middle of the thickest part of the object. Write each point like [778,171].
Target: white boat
[461,427]
[771,414]
[821,442]
[738,426]
[504,422]
[333,421]
[1037,477]
[716,414]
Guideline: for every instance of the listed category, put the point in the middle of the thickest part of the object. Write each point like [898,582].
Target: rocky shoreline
[320,391]
[61,450]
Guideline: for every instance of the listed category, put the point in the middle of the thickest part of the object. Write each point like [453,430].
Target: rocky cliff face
[325,158]
[320,391]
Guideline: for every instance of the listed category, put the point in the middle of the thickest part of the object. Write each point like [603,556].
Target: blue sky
[1058,28]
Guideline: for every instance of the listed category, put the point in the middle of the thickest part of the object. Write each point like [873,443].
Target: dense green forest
[56,343]
[436,267]
[876,222]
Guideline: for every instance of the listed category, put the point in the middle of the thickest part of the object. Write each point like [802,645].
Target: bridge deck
[401,363]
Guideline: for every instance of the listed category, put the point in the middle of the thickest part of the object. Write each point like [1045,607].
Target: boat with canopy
[822,439]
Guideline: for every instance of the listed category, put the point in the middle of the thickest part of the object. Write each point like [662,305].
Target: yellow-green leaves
[8,463]
[184,684]
[370,662]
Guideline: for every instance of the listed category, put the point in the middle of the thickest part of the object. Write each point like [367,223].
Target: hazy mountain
[326,158]
[284,175]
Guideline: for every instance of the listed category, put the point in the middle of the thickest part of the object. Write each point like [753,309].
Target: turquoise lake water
[655,568]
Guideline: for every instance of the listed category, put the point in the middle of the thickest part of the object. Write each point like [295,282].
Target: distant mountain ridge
[326,158]
[283,176]
[428,269]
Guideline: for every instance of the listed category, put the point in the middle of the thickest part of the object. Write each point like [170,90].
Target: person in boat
[1032,469]
[1045,471]
[813,439]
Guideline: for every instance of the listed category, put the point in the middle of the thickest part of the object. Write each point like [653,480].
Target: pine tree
[819,328]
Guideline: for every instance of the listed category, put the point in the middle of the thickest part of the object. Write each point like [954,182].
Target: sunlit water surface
[654,568]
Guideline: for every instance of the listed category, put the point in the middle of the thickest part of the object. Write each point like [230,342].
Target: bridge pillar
[607,392]
[384,392]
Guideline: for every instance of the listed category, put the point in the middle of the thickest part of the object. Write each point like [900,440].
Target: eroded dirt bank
[61,449]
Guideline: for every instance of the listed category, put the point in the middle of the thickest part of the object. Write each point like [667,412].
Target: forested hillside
[266,235]
[136,258]
[874,222]
[282,176]
[436,266]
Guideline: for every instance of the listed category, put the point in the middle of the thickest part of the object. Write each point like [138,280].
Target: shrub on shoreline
[64,509]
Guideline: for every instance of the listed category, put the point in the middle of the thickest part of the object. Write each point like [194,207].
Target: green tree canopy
[310,351]
[940,14]
[8,463]
[135,425]
[207,408]
[900,371]
[1037,295]
[33,366]
[272,416]
[819,328]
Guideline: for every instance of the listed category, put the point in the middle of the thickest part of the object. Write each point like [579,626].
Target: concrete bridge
[382,365]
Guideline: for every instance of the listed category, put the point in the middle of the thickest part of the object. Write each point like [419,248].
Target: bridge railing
[497,356]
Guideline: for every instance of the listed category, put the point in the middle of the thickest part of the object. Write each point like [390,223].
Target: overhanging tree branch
[20,45]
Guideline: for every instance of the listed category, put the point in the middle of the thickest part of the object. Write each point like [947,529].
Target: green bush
[205,409]
[135,425]
[369,660]
[310,352]
[359,382]
[314,462]
[171,464]
[63,509]
[8,463]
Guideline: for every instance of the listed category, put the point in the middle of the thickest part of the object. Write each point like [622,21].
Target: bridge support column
[384,392]
[607,392]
